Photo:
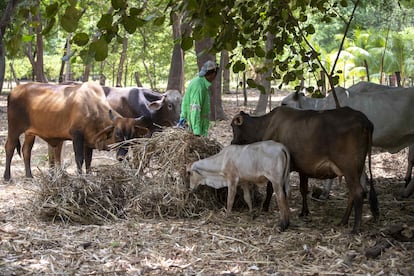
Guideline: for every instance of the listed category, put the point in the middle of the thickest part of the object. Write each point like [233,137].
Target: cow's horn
[238,120]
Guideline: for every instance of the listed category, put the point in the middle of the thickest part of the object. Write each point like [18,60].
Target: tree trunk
[263,98]
[122,61]
[216,111]
[176,75]
[226,72]
[4,22]
[137,80]
[86,72]
[68,72]
[39,69]
[14,74]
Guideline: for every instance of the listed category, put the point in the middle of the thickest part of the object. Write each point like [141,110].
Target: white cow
[241,164]
[388,108]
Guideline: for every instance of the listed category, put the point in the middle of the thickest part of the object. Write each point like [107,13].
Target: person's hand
[181,123]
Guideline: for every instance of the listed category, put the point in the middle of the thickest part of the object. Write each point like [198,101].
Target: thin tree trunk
[39,69]
[264,97]
[137,80]
[14,74]
[216,111]
[226,73]
[68,72]
[176,75]
[122,61]
[4,22]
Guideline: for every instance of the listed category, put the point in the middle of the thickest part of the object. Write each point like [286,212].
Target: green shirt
[195,108]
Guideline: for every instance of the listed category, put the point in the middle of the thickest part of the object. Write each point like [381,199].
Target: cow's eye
[170,106]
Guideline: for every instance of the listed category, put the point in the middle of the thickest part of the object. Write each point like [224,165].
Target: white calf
[240,164]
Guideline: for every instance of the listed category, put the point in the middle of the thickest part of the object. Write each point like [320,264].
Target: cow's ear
[156,105]
[142,131]
[238,120]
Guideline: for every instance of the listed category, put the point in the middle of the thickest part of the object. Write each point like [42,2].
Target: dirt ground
[214,245]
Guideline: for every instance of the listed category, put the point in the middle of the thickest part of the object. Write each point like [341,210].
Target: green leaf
[251,83]
[187,43]
[259,51]
[239,66]
[50,23]
[69,20]
[27,38]
[130,24]
[52,9]
[159,21]
[135,11]
[105,22]
[118,4]
[80,39]
[100,48]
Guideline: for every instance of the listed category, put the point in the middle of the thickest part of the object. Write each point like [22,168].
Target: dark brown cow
[322,144]
[57,113]
[155,109]
[159,109]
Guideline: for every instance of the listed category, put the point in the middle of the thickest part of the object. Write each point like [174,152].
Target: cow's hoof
[283,226]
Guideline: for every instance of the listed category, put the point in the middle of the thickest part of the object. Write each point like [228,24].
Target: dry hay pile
[151,184]
[85,199]
[162,161]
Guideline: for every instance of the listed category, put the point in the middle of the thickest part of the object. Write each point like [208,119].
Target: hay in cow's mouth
[152,183]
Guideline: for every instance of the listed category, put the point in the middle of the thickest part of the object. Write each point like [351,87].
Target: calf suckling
[235,165]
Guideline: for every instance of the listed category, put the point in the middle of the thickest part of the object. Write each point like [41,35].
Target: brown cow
[322,144]
[57,113]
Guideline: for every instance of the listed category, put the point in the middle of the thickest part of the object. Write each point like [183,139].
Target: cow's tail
[286,174]
[372,198]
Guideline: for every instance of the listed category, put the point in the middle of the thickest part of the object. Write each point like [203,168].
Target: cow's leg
[246,195]
[304,192]
[407,177]
[78,142]
[410,161]
[231,194]
[269,193]
[27,153]
[12,142]
[55,156]
[355,200]
[282,203]
[88,159]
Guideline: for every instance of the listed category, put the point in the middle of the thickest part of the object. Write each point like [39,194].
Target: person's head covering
[208,66]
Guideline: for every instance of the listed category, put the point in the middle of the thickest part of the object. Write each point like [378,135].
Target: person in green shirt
[195,108]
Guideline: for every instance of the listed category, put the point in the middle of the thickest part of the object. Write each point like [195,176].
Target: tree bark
[122,61]
[4,22]
[216,107]
[39,69]
[263,98]
[226,73]
[137,80]
[176,75]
